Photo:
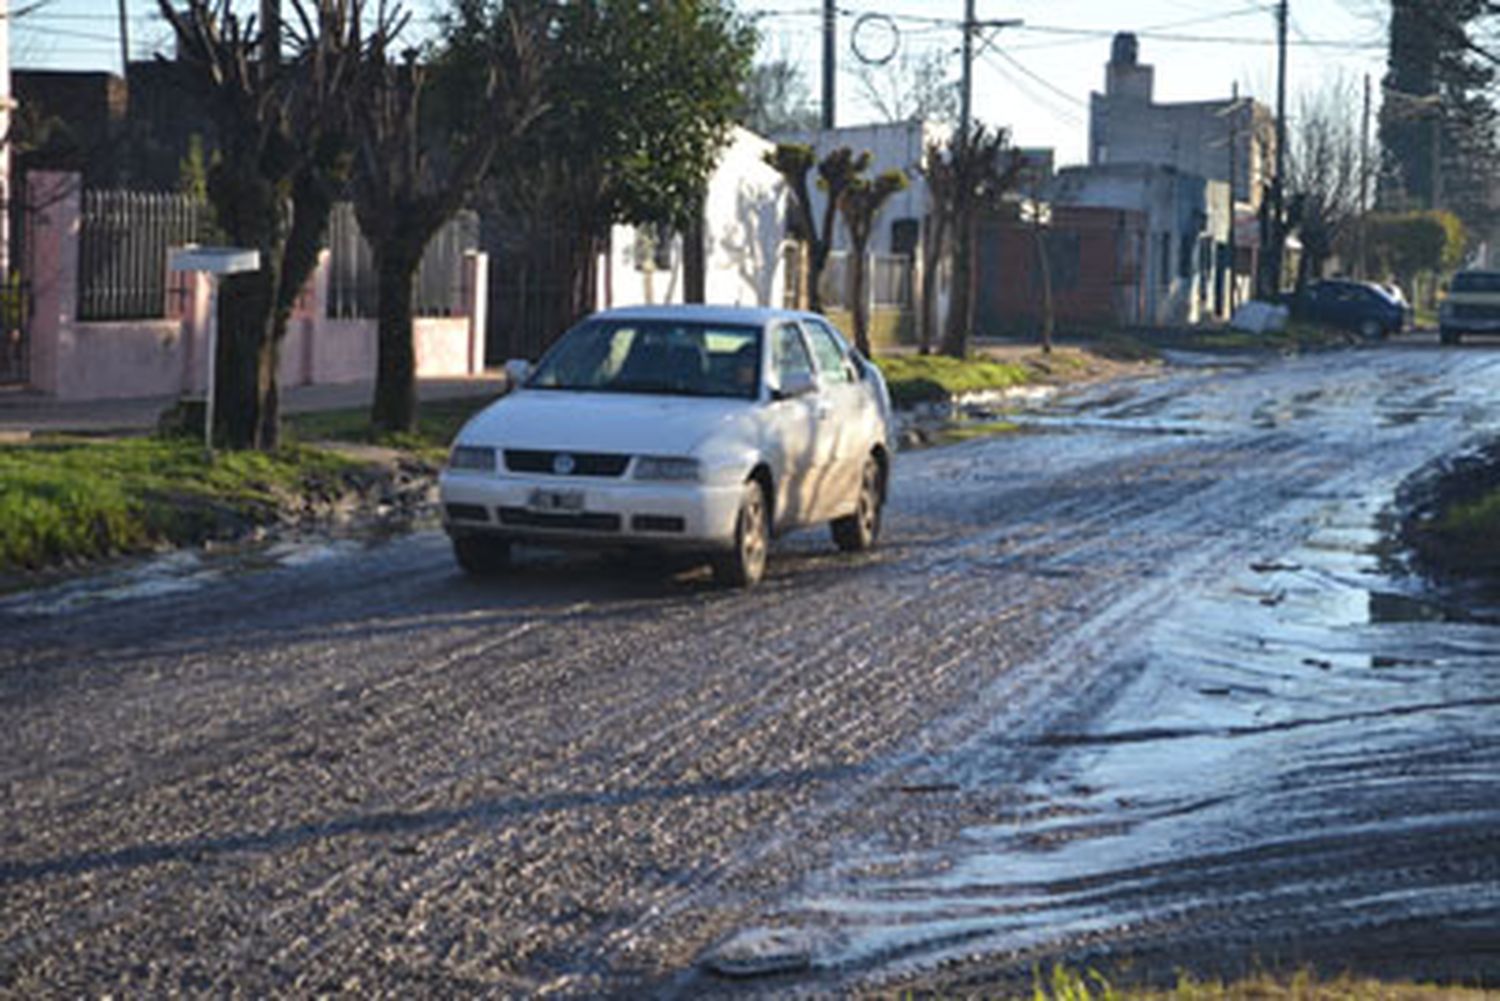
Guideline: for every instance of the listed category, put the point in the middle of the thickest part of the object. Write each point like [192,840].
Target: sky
[1034,78]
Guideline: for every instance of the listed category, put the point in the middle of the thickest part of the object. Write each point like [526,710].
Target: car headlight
[477,458]
[666,467]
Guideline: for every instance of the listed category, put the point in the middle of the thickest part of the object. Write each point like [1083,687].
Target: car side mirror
[795,384]
[517,371]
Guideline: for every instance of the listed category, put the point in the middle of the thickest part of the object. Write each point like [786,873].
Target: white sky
[1035,78]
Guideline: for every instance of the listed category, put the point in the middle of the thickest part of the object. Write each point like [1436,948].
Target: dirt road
[1141,683]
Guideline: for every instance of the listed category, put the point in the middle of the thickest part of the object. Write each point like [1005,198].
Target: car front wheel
[1447,336]
[858,531]
[481,557]
[745,564]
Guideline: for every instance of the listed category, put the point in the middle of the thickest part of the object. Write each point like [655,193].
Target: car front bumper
[604,512]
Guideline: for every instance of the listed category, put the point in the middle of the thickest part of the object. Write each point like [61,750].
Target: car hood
[632,423]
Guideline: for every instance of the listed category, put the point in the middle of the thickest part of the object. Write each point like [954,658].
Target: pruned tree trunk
[394,409]
[932,259]
[1044,265]
[859,291]
[961,303]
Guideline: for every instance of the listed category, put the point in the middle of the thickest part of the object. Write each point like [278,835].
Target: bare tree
[860,204]
[1324,174]
[402,198]
[966,176]
[911,87]
[284,158]
[836,172]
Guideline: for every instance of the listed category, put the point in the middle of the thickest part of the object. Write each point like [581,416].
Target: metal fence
[889,277]
[123,241]
[353,285]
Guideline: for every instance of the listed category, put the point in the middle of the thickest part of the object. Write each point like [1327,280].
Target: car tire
[745,564]
[1447,335]
[857,532]
[479,556]
[1371,330]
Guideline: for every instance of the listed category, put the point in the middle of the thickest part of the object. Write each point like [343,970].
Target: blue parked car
[1364,308]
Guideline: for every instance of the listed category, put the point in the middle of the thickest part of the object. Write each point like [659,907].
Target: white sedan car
[702,428]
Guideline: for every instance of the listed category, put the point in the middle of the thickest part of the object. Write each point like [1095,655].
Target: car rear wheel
[1371,329]
[745,564]
[481,557]
[858,531]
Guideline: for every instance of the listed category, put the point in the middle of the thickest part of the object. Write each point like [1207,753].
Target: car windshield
[1476,281]
[654,356]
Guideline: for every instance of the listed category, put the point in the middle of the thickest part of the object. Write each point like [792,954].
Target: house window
[904,235]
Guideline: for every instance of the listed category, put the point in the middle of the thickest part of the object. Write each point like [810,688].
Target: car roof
[756,315]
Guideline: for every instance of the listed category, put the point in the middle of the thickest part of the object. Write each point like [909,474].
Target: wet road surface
[1140,685]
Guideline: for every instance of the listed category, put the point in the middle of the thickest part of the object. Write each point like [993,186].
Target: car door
[847,416]
[791,424]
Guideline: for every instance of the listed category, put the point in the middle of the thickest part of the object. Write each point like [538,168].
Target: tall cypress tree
[1437,125]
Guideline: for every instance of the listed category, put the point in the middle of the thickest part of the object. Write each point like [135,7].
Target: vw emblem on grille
[564,464]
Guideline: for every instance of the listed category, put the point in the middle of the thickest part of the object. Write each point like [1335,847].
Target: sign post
[216,262]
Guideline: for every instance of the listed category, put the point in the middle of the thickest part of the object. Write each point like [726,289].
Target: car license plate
[557,501]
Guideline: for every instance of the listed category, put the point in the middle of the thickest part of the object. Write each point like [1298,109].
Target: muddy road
[1141,687]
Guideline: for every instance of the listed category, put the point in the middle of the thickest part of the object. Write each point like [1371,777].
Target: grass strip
[438,423]
[65,499]
[934,378]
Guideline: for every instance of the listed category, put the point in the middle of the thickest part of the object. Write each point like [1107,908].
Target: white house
[744,235]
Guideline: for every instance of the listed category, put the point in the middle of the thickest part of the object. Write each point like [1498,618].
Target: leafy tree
[860,204]
[1409,244]
[836,172]
[1437,121]
[776,99]
[284,158]
[640,100]
[402,197]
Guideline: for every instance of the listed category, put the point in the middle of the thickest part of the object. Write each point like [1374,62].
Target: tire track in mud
[696,742]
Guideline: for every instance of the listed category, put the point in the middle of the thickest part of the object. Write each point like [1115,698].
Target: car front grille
[658,523]
[1475,311]
[585,521]
[520,460]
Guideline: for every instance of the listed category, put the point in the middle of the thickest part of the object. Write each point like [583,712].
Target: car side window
[833,364]
[790,354]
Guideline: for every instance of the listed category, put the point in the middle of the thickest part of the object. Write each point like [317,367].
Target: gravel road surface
[1142,685]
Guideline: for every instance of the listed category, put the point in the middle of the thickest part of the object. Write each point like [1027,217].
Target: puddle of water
[178,572]
[1294,729]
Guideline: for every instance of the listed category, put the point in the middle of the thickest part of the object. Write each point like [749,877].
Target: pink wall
[78,361]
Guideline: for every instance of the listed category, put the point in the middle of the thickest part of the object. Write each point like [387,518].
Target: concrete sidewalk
[23,413]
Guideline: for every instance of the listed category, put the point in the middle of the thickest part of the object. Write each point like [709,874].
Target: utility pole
[1234,141]
[1278,185]
[966,93]
[124,43]
[830,56]
[1364,184]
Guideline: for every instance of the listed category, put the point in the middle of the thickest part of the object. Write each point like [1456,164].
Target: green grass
[931,378]
[1472,529]
[438,422]
[1063,984]
[67,499]
[958,433]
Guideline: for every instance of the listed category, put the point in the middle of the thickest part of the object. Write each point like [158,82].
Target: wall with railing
[110,320]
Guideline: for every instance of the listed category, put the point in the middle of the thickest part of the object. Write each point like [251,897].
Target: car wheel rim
[869,509]
[753,532]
